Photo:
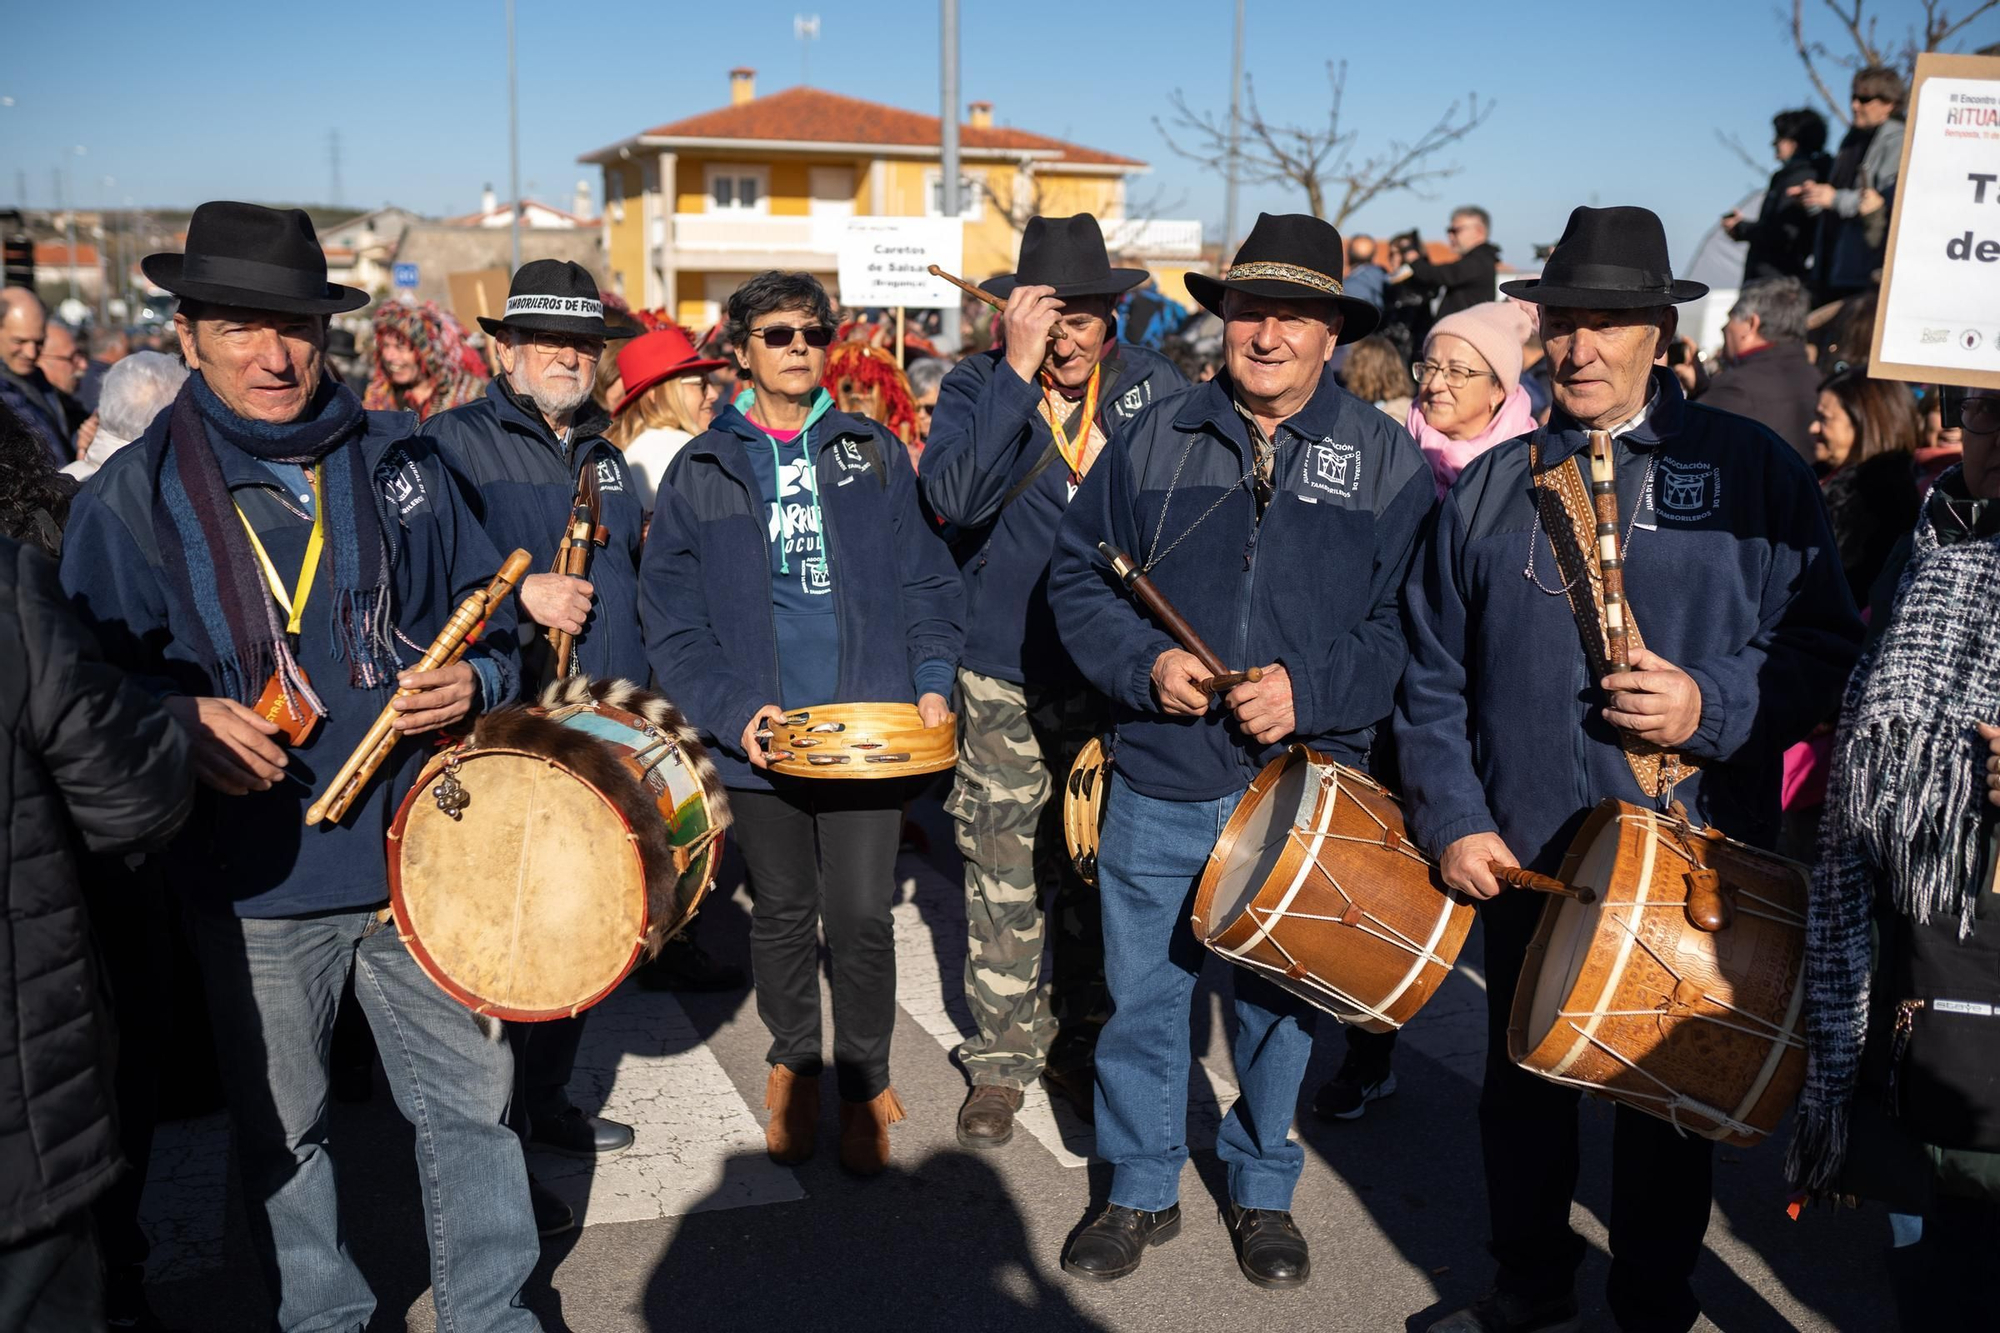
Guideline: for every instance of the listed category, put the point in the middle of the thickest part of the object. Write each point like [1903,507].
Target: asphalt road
[695,1230]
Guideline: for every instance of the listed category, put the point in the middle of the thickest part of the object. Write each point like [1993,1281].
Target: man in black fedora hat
[529,451]
[271,558]
[1277,513]
[1745,631]
[1014,433]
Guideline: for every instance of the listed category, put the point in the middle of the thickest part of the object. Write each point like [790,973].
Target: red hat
[652,357]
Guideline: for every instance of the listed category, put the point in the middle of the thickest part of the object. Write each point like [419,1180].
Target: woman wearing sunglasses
[788,565]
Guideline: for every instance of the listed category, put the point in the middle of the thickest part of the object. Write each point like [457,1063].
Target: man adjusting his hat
[1015,432]
[1277,512]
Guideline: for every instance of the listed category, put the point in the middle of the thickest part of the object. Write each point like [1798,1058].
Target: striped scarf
[1903,810]
[219,603]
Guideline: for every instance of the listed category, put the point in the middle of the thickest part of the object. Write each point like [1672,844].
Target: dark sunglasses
[779,336]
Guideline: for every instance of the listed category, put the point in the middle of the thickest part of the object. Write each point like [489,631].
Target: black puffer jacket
[87,760]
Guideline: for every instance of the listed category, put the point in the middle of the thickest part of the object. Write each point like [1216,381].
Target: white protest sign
[883,262]
[1940,318]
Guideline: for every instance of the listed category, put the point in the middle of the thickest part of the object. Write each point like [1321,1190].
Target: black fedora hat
[1295,257]
[556,296]
[254,257]
[1608,259]
[1066,254]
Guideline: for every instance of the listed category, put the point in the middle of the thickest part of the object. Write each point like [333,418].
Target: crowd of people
[793,509]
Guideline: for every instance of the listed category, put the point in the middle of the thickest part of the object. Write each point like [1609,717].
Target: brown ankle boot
[864,1132]
[794,1105]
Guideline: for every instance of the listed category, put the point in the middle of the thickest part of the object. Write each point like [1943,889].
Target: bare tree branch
[1862,33]
[1318,160]
[1734,144]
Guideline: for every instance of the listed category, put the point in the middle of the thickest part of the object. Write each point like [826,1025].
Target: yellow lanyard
[1050,400]
[294,603]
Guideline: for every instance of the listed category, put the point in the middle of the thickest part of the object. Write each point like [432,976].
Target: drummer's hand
[933,709]
[233,749]
[1655,701]
[436,698]
[1990,733]
[1264,710]
[759,720]
[1176,677]
[556,601]
[1464,864]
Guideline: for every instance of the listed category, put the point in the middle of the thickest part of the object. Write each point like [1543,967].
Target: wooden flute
[1220,677]
[581,538]
[1055,330]
[447,648]
[1610,558]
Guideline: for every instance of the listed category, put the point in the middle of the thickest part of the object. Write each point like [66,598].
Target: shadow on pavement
[938,1244]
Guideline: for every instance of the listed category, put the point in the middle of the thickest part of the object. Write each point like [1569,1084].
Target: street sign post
[404,275]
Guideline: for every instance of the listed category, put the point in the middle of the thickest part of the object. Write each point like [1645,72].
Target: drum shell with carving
[1627,998]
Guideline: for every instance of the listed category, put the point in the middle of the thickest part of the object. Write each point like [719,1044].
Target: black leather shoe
[1270,1249]
[575,1134]
[552,1215]
[1112,1245]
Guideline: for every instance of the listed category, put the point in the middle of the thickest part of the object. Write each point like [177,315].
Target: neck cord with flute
[584,534]
[449,646]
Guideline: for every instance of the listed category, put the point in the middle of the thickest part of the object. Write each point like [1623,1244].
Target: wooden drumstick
[1610,559]
[1220,677]
[1055,330]
[1514,877]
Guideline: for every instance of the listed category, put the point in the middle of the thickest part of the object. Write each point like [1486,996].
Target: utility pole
[1235,138]
[949,329]
[513,142]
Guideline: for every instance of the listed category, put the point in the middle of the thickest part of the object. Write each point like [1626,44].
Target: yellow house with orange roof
[695,207]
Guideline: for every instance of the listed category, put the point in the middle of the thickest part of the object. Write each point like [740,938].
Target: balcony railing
[1155,238]
[725,230]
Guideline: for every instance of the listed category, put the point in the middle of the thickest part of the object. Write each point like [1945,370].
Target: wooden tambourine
[1083,806]
[861,741]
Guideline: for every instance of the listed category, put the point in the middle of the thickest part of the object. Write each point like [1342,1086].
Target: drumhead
[533,901]
[1260,841]
[1576,927]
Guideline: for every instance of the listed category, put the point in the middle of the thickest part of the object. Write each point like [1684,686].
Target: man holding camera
[1462,282]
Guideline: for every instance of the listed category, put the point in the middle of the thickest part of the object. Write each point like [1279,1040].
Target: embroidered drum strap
[1570,519]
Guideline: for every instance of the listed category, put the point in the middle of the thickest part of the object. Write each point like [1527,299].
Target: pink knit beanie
[1496,331]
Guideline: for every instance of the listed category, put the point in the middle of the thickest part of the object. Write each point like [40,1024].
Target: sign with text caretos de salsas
[882,262]
[1940,310]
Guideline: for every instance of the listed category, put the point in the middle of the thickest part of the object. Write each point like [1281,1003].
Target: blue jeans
[1149,861]
[273,987]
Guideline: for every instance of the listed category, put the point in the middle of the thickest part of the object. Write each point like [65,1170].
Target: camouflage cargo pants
[1015,747]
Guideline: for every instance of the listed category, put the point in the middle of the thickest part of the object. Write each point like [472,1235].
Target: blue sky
[1613,103]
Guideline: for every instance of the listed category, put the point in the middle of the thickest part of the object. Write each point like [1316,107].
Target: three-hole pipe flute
[1055,329]
[447,648]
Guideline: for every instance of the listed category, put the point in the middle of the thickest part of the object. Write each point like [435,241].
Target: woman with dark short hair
[1781,236]
[788,566]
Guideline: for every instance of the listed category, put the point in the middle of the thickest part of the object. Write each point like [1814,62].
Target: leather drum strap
[1571,522]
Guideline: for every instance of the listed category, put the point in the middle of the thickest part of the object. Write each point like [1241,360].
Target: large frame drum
[535,863]
[1316,885]
[1679,990]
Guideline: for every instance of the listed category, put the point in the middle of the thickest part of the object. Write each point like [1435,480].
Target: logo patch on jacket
[1333,467]
[607,476]
[1687,492]
[402,484]
[1135,398]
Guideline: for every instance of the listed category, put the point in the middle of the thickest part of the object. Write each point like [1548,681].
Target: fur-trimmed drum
[1083,806]
[536,862]
[1680,990]
[861,741]
[1315,884]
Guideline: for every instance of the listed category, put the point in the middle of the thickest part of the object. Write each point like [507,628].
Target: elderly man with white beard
[524,452]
